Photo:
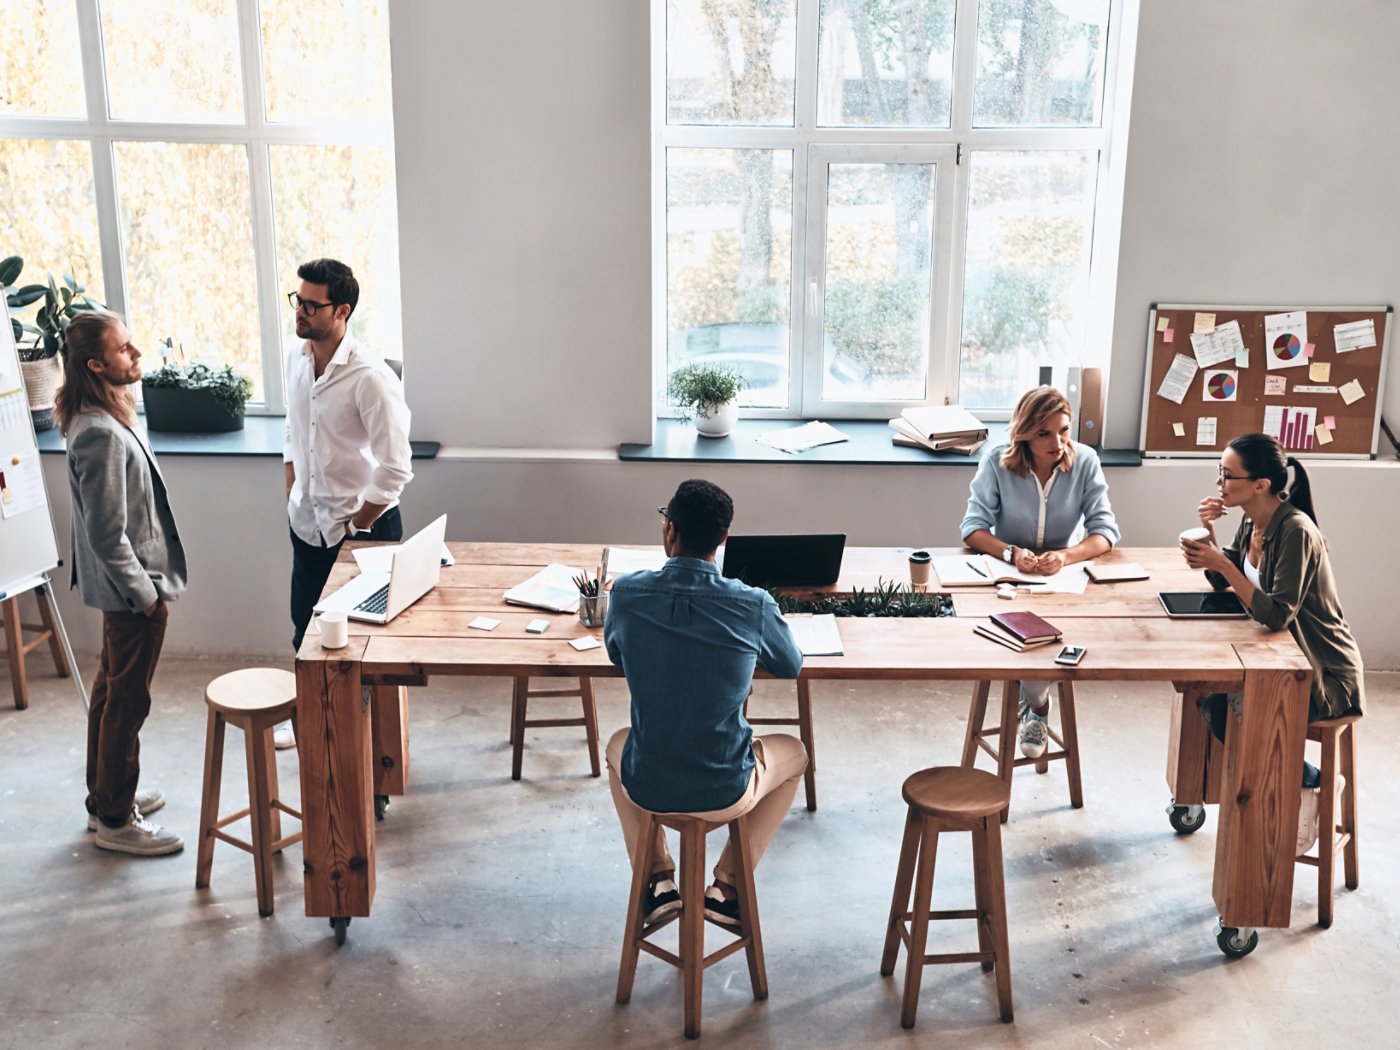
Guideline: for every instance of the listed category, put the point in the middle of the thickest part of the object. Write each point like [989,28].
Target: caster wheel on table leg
[1186,819]
[1236,942]
[381,803]
[340,924]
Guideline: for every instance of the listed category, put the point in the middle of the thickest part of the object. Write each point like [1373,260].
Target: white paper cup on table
[335,630]
[920,564]
[592,611]
[1196,535]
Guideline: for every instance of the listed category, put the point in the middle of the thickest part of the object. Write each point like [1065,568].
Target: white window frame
[806,138]
[254,133]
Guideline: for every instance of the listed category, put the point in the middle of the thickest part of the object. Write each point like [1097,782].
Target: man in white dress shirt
[346,453]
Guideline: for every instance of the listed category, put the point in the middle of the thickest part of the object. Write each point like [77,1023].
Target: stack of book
[939,428]
[1019,630]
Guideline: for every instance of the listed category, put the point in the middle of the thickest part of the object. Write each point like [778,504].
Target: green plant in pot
[708,394]
[41,345]
[198,399]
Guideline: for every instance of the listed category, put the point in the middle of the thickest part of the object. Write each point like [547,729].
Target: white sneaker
[1034,734]
[148,800]
[282,737]
[139,837]
[1310,815]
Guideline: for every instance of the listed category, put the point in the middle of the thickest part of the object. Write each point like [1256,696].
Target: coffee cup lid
[921,556]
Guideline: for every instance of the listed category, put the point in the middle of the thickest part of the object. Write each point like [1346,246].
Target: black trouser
[312,564]
[1214,707]
[120,702]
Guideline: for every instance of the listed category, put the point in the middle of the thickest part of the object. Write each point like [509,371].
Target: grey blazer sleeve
[97,459]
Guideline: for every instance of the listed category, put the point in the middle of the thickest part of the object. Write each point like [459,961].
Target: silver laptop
[377,597]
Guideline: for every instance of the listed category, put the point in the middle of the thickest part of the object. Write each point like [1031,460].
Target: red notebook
[1026,627]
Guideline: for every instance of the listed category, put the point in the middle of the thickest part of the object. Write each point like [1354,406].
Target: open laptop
[810,560]
[377,597]
[1210,605]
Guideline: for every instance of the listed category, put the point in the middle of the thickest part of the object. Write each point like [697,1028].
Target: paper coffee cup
[1196,535]
[920,564]
[335,630]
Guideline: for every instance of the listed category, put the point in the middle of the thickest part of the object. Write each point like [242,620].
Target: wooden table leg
[1260,794]
[14,652]
[337,785]
[388,713]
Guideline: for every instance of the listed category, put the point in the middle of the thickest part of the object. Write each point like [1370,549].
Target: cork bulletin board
[1311,376]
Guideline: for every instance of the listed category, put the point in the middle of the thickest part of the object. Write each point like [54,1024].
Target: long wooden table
[352,713]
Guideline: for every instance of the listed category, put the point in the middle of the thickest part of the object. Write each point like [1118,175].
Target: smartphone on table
[1070,655]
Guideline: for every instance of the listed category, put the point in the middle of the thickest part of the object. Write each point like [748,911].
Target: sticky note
[1275,385]
[585,643]
[1330,422]
[1179,429]
[1242,357]
[485,623]
[537,626]
[1163,323]
[1169,335]
[1324,436]
[1308,349]
[1352,392]
[1319,372]
[1204,323]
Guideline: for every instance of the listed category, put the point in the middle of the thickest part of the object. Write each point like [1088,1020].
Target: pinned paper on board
[1163,322]
[1324,436]
[1169,335]
[1219,385]
[1177,381]
[21,483]
[1179,429]
[1319,372]
[1292,425]
[1218,345]
[1203,323]
[1352,392]
[1275,385]
[1330,422]
[1205,431]
[1284,336]
[14,410]
[1356,335]
[1242,357]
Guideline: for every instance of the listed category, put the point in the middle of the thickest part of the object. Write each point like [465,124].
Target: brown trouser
[121,700]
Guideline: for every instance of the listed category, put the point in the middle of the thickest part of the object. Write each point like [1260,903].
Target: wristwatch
[353,531]
[1008,554]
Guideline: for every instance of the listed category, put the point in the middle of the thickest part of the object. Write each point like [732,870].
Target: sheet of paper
[585,643]
[14,410]
[1204,323]
[815,635]
[551,588]
[1163,322]
[485,623]
[23,486]
[1352,392]
[1205,431]
[1177,381]
[1284,338]
[1355,335]
[1292,425]
[625,559]
[1214,347]
[1324,436]
[1072,579]
[380,558]
[1309,388]
[799,439]
[1275,385]
[1179,429]
[1219,384]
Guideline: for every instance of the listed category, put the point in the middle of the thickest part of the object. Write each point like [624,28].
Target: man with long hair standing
[128,562]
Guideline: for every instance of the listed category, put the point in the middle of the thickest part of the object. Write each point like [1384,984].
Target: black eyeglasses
[1225,475]
[305,306]
[662,512]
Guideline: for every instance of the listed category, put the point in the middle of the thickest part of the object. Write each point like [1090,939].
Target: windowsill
[260,436]
[869,444]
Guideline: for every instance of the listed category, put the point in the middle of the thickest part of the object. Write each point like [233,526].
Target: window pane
[1030,219]
[173,62]
[1040,62]
[187,235]
[885,64]
[879,222]
[326,58]
[728,265]
[338,202]
[41,70]
[730,61]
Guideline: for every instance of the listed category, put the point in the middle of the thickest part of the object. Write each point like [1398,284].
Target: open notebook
[979,570]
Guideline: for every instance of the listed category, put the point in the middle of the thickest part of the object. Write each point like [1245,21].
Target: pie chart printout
[1287,347]
[1221,387]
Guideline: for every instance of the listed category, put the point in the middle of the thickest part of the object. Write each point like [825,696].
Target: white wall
[1263,139]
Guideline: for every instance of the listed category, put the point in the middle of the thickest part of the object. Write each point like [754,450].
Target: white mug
[335,630]
[1197,535]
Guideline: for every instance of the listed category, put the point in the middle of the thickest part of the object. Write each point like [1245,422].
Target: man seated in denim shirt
[688,640]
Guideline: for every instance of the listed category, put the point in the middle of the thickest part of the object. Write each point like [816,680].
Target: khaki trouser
[779,762]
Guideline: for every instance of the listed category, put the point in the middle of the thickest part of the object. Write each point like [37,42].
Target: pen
[978,571]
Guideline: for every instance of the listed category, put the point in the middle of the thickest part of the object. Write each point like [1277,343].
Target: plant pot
[187,411]
[41,382]
[718,424]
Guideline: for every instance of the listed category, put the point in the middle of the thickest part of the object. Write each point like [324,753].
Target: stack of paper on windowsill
[939,428]
[799,439]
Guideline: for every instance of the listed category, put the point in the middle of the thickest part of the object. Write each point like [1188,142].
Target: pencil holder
[592,611]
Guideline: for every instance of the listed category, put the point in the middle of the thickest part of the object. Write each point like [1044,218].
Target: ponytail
[1263,457]
[1300,492]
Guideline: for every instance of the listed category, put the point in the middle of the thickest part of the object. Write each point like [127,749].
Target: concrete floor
[500,905]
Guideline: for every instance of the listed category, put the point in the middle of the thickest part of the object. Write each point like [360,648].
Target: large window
[866,204]
[181,159]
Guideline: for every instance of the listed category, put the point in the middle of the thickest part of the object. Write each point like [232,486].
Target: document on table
[1178,380]
[799,439]
[381,558]
[625,559]
[815,634]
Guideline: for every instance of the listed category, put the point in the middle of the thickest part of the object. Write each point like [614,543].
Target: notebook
[1116,572]
[551,588]
[943,421]
[1002,638]
[810,560]
[978,570]
[1026,627]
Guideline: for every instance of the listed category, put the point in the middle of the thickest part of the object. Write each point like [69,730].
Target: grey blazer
[126,550]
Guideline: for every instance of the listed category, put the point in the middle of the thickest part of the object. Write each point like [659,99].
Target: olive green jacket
[1296,590]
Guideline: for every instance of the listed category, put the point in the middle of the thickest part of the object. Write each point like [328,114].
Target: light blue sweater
[1013,508]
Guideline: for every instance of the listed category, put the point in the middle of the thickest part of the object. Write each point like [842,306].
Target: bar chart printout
[1293,426]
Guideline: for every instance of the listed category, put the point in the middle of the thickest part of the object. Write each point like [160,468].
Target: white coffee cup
[335,630]
[1196,535]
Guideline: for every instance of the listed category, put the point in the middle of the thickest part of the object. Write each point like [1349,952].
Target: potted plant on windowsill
[41,360]
[200,399]
[709,395]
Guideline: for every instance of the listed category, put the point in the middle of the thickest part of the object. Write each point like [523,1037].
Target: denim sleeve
[984,498]
[778,654]
[1098,512]
[611,630]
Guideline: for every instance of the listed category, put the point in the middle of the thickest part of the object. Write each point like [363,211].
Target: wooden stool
[520,698]
[692,960]
[947,798]
[1067,739]
[254,699]
[1338,826]
[16,649]
[803,722]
